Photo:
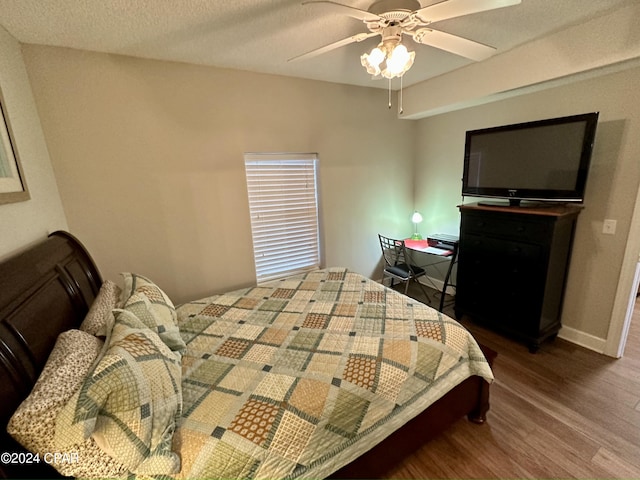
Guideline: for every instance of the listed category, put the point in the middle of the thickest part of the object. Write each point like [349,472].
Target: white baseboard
[585,340]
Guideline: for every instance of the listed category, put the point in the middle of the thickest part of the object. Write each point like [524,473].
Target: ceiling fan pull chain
[401,110]
[389,94]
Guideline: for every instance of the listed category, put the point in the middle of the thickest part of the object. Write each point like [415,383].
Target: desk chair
[397,264]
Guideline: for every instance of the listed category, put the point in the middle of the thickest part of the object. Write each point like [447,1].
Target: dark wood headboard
[43,291]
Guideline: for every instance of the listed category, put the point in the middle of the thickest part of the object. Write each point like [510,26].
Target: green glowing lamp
[416,218]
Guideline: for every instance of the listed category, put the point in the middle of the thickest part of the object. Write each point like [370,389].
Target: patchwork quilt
[296,378]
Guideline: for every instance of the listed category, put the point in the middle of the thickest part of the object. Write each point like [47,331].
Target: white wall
[149,161]
[27,222]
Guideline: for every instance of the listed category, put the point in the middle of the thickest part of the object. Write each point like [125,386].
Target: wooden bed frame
[49,288]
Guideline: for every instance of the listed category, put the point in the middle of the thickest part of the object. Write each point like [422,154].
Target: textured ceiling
[261,35]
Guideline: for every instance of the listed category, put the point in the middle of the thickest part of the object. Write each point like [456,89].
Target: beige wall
[148,157]
[148,160]
[611,189]
[26,222]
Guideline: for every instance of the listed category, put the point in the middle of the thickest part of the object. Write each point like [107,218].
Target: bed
[327,374]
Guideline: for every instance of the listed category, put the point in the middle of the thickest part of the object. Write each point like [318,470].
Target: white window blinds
[283,204]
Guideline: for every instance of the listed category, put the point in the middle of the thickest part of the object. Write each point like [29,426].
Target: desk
[450,255]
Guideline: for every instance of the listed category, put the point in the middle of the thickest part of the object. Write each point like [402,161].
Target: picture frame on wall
[13,186]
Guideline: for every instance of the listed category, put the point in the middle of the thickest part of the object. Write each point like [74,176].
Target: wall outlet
[609,227]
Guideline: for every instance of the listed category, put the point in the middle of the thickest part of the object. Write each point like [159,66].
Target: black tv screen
[544,160]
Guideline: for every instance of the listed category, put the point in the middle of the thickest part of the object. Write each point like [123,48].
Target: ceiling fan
[391,19]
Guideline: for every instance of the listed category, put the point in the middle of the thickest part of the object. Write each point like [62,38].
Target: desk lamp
[416,218]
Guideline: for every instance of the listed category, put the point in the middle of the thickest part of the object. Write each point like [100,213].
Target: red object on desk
[416,243]
[423,246]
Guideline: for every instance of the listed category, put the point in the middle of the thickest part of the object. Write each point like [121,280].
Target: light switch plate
[609,227]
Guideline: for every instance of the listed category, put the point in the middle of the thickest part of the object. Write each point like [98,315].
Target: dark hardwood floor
[564,412]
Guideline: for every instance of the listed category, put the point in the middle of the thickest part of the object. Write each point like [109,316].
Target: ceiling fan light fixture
[388,60]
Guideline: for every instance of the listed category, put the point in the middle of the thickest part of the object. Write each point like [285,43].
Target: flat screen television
[540,161]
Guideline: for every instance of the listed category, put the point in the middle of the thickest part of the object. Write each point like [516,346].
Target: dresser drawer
[473,244]
[517,228]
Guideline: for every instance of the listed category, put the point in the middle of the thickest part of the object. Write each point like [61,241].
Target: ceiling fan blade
[347,10]
[453,43]
[458,8]
[359,37]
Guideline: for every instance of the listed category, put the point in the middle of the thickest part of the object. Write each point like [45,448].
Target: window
[283,203]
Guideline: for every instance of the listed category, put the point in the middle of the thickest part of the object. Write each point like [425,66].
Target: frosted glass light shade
[373,60]
[399,61]
[388,61]
[416,218]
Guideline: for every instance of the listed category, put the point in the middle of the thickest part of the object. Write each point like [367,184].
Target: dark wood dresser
[512,268]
